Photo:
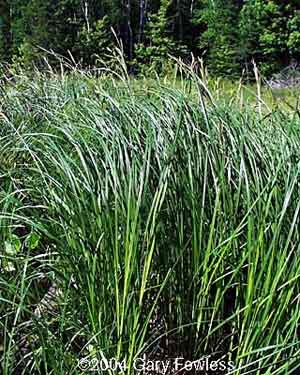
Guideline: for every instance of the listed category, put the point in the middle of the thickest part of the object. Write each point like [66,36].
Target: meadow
[147,217]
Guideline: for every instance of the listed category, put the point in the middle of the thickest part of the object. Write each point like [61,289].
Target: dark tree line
[228,34]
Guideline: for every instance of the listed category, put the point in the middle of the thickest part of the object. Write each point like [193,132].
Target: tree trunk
[180,20]
[143,9]
[192,9]
[130,32]
[85,11]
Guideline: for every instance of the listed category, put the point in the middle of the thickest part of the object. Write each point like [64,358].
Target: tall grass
[164,223]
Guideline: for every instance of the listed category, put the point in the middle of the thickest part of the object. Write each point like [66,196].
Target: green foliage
[5,28]
[27,55]
[32,241]
[259,21]
[228,34]
[159,43]
[13,245]
[269,33]
[145,221]
[218,41]
[93,42]
[293,42]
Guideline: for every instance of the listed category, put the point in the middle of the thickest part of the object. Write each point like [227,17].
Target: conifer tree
[218,19]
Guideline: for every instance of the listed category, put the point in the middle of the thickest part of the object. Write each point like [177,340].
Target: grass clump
[145,221]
